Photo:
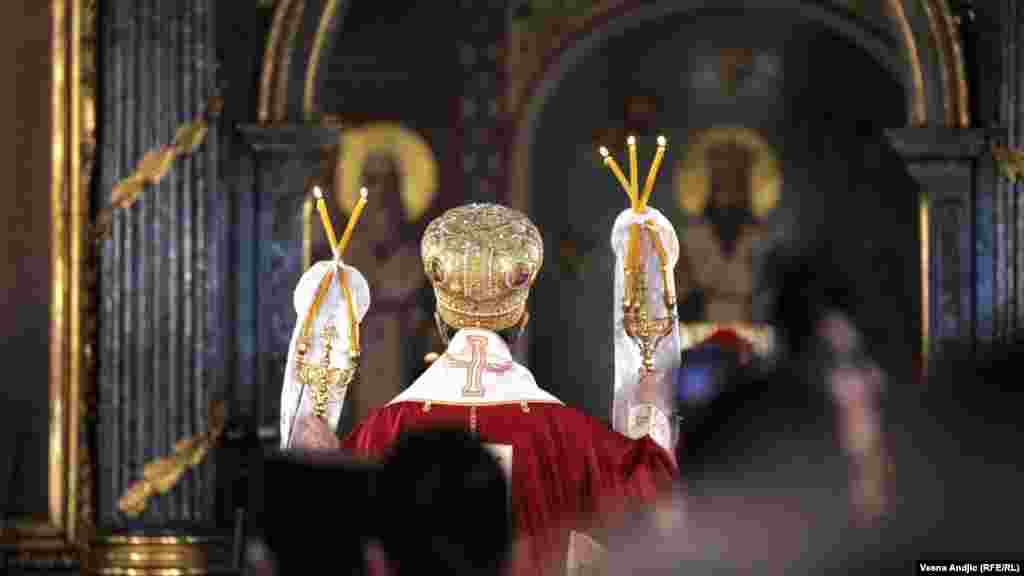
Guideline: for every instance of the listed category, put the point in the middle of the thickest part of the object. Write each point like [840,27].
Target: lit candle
[610,162]
[649,185]
[325,219]
[347,235]
[634,176]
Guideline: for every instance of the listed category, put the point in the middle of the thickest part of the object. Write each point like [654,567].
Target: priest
[569,472]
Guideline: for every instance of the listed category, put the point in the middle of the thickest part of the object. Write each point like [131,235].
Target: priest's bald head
[482,260]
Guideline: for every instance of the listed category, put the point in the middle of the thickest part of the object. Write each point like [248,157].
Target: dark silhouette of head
[437,504]
[446,509]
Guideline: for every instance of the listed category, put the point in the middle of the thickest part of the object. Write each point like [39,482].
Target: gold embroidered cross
[475,365]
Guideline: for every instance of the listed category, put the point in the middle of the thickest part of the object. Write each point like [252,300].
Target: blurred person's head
[776,463]
[317,508]
[438,504]
[771,465]
[772,425]
[447,507]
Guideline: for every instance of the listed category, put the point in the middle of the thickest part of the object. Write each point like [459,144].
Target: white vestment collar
[476,369]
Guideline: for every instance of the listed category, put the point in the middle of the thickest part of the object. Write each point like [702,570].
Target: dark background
[196,284]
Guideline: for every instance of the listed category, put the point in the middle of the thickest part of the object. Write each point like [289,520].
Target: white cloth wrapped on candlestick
[633,417]
[333,310]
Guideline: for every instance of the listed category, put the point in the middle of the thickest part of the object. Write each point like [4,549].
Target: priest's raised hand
[314,434]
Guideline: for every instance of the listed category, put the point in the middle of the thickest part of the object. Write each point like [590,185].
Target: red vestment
[569,471]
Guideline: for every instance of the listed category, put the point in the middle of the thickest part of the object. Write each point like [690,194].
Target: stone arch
[301,40]
[298,46]
[932,76]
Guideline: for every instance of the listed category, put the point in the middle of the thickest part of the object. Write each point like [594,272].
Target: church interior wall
[25,204]
[825,101]
[830,91]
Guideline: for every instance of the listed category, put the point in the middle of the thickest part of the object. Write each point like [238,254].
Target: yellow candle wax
[610,162]
[633,251]
[356,212]
[353,322]
[633,263]
[325,219]
[653,174]
[634,175]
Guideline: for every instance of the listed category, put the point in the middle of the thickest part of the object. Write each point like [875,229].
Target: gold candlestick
[653,174]
[645,325]
[325,219]
[356,212]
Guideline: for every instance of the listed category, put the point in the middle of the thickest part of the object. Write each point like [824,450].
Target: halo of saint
[411,153]
[693,180]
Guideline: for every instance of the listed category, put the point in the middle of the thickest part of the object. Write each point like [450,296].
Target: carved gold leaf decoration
[1010,162]
[134,500]
[126,191]
[155,165]
[162,475]
[190,136]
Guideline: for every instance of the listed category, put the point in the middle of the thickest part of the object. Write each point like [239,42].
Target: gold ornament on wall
[411,154]
[161,475]
[1010,162]
[152,168]
[693,178]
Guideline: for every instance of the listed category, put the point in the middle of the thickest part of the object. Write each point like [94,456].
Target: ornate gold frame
[57,533]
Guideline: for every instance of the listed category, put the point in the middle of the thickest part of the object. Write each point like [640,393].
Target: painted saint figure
[729,184]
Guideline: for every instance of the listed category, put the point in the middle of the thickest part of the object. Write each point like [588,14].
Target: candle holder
[643,322]
[323,378]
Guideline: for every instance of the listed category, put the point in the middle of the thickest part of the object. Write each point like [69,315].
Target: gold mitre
[482,260]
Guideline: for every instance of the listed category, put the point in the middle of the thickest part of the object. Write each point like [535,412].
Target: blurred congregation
[552,287]
[775,473]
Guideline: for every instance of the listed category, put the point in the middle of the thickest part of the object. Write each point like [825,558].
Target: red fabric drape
[569,471]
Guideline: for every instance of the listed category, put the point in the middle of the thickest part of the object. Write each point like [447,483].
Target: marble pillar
[162,270]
